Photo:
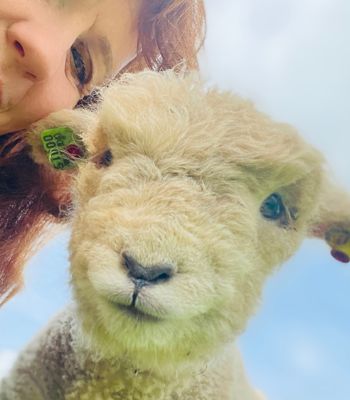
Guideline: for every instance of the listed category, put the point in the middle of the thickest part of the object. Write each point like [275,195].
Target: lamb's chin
[137,314]
[163,346]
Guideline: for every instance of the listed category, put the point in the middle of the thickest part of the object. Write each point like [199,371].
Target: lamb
[189,198]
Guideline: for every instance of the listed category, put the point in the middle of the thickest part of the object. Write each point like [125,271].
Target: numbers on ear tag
[62,146]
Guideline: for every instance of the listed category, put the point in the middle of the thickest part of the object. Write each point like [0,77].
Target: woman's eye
[273,207]
[81,63]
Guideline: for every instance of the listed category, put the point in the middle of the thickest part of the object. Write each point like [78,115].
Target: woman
[52,54]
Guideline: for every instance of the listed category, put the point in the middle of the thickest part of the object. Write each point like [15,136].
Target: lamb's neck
[119,379]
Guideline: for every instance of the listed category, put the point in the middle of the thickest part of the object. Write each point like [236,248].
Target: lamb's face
[193,200]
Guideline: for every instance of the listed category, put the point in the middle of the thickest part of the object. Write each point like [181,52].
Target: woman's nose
[38,54]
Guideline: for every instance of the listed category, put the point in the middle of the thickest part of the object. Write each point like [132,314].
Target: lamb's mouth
[137,314]
[133,311]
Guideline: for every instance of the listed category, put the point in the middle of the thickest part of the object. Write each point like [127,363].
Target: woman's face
[53,52]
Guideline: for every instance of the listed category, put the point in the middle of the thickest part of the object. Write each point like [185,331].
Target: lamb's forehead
[165,114]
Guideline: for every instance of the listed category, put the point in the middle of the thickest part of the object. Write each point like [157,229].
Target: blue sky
[293,59]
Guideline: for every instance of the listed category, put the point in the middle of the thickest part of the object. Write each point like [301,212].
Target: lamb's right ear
[62,137]
[332,222]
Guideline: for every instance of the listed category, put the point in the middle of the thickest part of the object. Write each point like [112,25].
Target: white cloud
[292,58]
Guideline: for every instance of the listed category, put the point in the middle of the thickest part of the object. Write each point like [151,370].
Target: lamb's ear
[332,222]
[62,138]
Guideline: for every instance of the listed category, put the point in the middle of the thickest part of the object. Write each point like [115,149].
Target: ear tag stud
[339,240]
[62,146]
[340,256]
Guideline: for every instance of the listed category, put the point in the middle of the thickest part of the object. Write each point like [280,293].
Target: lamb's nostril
[150,274]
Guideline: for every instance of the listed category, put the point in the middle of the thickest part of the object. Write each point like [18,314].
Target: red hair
[33,196]
[170,33]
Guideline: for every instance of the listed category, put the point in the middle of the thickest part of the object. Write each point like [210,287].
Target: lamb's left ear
[62,138]
[332,222]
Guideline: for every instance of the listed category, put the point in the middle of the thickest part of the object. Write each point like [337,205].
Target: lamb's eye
[104,159]
[273,207]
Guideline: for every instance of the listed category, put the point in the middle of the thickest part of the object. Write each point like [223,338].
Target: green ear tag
[62,147]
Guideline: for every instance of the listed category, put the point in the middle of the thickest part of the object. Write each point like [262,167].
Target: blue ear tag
[62,146]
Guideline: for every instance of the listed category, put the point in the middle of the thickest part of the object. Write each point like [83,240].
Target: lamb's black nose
[148,275]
